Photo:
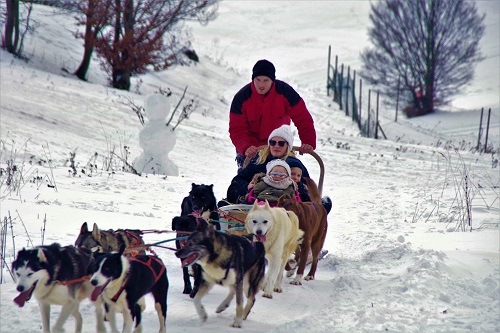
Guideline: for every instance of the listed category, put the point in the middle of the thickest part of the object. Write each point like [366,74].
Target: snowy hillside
[397,261]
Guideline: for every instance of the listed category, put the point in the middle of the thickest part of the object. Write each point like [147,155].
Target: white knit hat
[285,132]
[271,164]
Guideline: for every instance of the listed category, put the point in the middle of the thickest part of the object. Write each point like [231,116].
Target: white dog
[280,233]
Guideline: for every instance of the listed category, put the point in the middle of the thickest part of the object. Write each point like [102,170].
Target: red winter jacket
[253,116]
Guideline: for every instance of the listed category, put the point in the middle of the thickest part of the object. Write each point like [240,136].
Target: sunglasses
[273,143]
[278,174]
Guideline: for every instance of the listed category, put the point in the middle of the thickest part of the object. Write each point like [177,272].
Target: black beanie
[265,68]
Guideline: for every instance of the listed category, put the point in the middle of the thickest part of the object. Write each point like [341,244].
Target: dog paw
[221,308]
[193,293]
[309,278]
[202,313]
[268,295]
[237,323]
[292,263]
[278,290]
[296,283]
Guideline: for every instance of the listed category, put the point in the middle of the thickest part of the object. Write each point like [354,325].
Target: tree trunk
[88,49]
[81,72]
[121,77]
[12,26]
[89,38]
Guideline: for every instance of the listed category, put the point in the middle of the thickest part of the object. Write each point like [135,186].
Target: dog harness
[135,240]
[78,280]
[154,264]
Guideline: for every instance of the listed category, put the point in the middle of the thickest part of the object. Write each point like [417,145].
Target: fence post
[487,131]
[328,71]
[353,93]
[335,78]
[341,84]
[480,130]
[368,121]
[376,118]
[397,100]
[359,104]
[347,91]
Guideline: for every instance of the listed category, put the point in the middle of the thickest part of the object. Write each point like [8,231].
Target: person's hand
[305,149]
[252,151]
[250,185]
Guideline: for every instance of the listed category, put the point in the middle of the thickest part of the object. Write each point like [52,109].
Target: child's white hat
[271,164]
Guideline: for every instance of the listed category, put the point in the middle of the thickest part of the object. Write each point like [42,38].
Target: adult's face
[277,150]
[262,84]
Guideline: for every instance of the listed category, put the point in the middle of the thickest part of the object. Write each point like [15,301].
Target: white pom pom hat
[285,132]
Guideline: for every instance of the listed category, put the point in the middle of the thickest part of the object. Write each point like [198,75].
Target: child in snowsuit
[272,185]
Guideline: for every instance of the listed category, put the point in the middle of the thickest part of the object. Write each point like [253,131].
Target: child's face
[278,173]
[296,174]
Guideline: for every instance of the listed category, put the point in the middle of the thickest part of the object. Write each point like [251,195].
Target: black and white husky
[54,275]
[122,281]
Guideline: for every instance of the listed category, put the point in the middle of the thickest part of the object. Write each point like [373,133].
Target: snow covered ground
[396,263]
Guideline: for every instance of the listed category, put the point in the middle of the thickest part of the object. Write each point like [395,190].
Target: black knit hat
[265,68]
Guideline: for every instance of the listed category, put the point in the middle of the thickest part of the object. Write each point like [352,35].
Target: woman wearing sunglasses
[279,146]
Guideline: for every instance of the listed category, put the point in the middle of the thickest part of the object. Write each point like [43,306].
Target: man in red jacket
[264,105]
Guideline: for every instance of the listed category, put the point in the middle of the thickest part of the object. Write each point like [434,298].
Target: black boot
[222,203]
[327,203]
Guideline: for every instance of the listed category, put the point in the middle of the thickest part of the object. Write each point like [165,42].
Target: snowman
[156,138]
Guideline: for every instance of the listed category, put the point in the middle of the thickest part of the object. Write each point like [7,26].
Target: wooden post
[480,130]
[487,131]
[359,104]
[397,100]
[353,94]
[328,71]
[347,91]
[335,78]
[376,118]
[341,83]
[368,118]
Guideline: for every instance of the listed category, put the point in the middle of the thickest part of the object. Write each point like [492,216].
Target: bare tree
[145,34]
[13,39]
[431,46]
[97,13]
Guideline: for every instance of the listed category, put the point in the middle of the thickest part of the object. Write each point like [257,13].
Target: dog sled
[232,217]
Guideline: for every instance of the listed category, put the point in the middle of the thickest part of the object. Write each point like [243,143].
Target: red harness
[154,264]
[78,280]
[149,264]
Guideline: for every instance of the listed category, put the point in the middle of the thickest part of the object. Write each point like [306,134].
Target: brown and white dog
[313,221]
[104,241]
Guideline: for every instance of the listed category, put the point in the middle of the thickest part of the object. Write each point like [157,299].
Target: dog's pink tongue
[261,238]
[23,297]
[190,259]
[97,291]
